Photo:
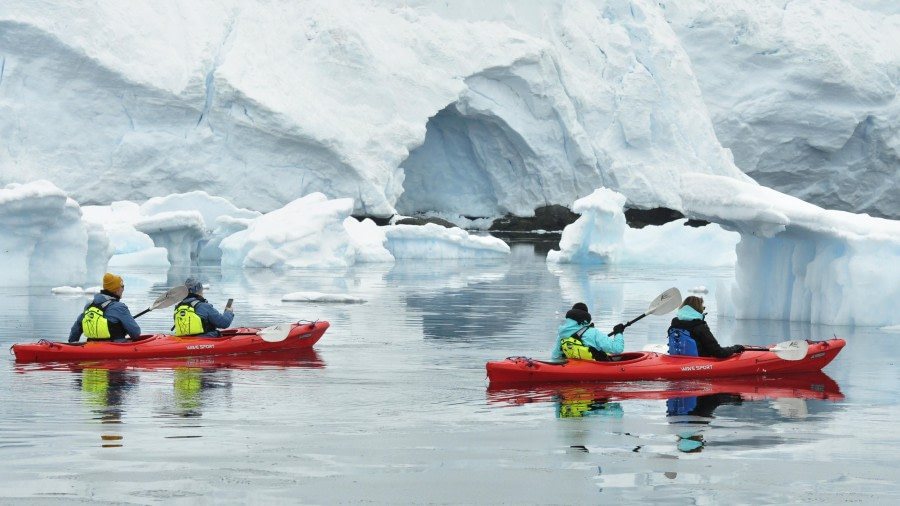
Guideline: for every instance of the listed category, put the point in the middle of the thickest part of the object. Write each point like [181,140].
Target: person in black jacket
[690,335]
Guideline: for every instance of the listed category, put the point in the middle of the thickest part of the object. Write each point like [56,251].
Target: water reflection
[103,391]
[691,405]
[106,385]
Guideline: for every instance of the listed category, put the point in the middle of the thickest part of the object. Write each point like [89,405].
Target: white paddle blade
[791,350]
[656,348]
[275,333]
[173,296]
[665,302]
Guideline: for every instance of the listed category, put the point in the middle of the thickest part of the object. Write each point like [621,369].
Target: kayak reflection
[105,385]
[192,377]
[690,404]
[301,357]
[816,385]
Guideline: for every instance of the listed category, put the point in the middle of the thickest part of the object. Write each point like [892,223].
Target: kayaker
[194,316]
[106,318]
[690,335]
[577,337]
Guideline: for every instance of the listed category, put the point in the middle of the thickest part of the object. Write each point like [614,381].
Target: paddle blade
[656,348]
[275,333]
[791,350]
[173,296]
[665,302]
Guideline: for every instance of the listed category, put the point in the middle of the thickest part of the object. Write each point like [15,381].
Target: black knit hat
[580,305]
[579,315]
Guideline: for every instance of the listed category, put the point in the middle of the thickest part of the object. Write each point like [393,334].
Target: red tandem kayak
[233,341]
[646,365]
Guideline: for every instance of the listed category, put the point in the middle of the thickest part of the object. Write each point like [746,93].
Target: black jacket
[707,346]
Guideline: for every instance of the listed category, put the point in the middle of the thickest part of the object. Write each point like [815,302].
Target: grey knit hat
[193,285]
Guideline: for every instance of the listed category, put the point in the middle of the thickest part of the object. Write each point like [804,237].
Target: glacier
[387,103]
[804,93]
[174,132]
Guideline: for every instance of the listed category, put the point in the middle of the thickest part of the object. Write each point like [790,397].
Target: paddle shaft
[629,323]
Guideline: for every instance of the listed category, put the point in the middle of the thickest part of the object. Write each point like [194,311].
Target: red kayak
[646,365]
[233,341]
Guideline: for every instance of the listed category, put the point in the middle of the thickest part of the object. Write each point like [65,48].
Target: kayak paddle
[167,299]
[275,333]
[662,304]
[787,350]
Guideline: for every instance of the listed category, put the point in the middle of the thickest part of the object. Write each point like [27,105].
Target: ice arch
[506,146]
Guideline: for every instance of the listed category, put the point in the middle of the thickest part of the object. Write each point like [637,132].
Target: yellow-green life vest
[94,323]
[187,321]
[572,347]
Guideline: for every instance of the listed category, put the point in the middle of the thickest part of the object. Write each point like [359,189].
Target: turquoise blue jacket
[591,337]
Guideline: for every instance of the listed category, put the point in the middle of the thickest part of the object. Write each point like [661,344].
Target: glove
[738,348]
[619,329]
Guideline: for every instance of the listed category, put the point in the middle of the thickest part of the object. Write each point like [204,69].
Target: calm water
[392,406]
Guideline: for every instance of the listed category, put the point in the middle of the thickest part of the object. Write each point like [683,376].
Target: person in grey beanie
[195,316]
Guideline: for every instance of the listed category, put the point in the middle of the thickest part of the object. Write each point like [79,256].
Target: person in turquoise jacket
[577,337]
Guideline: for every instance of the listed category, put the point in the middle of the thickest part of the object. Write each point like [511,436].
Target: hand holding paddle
[664,303]
[173,296]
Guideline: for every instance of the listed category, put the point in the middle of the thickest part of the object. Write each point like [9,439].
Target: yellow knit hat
[111,282]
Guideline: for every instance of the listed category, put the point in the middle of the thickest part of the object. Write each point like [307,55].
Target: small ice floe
[891,328]
[71,291]
[699,289]
[321,297]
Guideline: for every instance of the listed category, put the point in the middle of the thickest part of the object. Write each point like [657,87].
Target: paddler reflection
[104,392]
[580,402]
[188,383]
[690,405]
[768,399]
[696,410]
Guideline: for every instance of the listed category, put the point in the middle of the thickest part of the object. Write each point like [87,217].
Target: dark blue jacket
[212,319]
[115,313]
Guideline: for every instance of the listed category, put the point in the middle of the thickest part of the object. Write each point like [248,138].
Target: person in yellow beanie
[106,318]
[112,283]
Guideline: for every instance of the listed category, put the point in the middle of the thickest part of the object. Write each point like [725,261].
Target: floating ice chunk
[436,242]
[321,297]
[67,290]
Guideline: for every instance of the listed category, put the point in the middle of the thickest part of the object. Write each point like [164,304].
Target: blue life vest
[681,343]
